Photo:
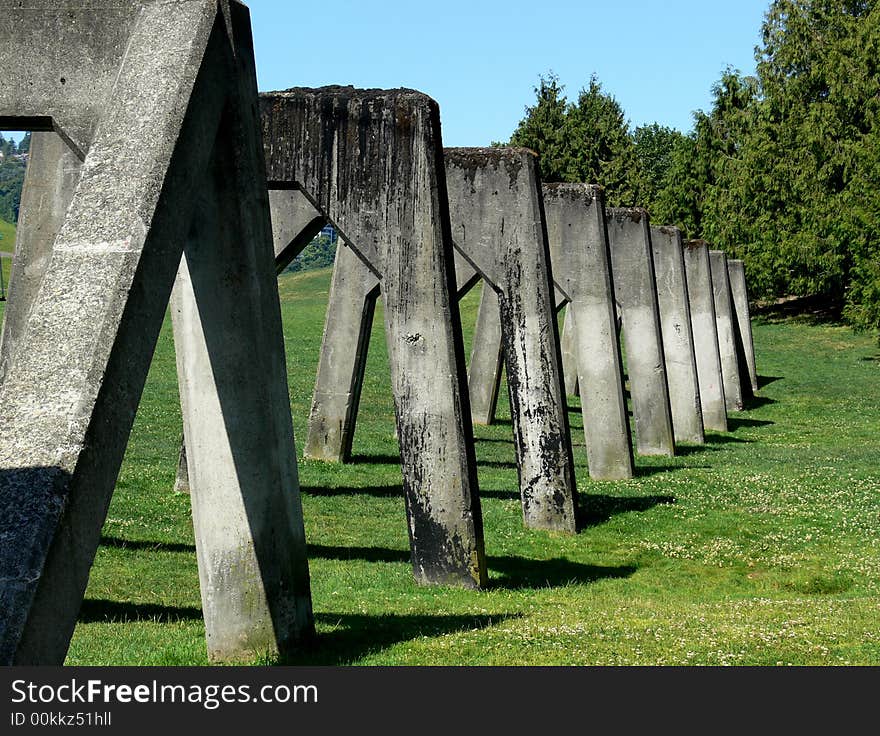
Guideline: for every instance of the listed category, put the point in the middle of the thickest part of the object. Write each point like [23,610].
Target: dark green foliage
[317,254]
[12,167]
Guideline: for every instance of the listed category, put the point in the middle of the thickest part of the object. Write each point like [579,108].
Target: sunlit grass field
[759,548]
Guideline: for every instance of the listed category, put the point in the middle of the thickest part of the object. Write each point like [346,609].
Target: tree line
[12,168]
[783,171]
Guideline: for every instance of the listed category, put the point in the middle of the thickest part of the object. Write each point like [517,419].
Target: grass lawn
[759,548]
[7,245]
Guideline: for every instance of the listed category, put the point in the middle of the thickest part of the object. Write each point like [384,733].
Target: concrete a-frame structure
[159,101]
[499,233]
[371,162]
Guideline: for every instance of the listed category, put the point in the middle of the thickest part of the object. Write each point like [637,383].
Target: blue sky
[481,60]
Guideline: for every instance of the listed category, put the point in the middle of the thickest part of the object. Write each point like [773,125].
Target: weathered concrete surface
[678,338]
[161,101]
[578,238]
[487,357]
[636,293]
[745,343]
[725,319]
[372,161]
[52,173]
[349,322]
[705,329]
[498,224]
[569,354]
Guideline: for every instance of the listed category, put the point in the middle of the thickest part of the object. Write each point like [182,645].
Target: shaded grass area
[758,548]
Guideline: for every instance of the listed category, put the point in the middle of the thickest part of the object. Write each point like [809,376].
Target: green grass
[759,548]
[7,245]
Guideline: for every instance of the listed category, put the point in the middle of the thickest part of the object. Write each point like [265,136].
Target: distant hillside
[13,162]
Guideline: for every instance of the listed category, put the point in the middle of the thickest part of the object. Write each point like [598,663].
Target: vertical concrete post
[705,329]
[52,173]
[486,363]
[636,292]
[678,339]
[352,302]
[737,275]
[578,238]
[724,318]
[372,162]
[497,219]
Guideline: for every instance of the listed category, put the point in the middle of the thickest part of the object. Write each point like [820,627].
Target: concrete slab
[632,267]
[726,321]
[745,342]
[678,338]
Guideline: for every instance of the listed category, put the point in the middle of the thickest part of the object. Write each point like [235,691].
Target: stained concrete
[678,338]
[498,227]
[569,354]
[726,322]
[372,162]
[745,342]
[705,330]
[159,100]
[635,290]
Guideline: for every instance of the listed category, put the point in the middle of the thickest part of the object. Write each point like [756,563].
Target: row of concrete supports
[161,190]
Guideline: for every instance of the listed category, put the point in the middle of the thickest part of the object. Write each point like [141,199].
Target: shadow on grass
[389,491]
[516,572]
[98,610]
[355,636]
[597,508]
[141,544]
[756,402]
[376,459]
[713,438]
[735,423]
[480,440]
[765,380]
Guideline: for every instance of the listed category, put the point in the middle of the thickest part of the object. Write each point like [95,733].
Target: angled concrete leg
[739,290]
[349,322]
[569,354]
[485,366]
[52,173]
[636,293]
[372,161]
[678,339]
[578,239]
[497,220]
[705,329]
[724,318]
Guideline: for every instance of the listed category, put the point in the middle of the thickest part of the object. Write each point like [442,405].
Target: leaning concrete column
[486,363]
[171,83]
[737,276]
[569,353]
[52,173]
[678,339]
[372,162]
[578,238]
[349,322]
[635,290]
[497,221]
[724,317]
[705,328]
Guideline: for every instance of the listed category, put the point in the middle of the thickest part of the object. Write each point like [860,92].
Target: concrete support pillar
[578,237]
[678,338]
[737,276]
[725,319]
[496,212]
[52,173]
[705,329]
[636,292]
[372,162]
[174,149]
[569,353]
[486,363]
[349,322]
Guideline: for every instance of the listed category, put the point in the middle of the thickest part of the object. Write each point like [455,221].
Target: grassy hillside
[758,548]
[7,245]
